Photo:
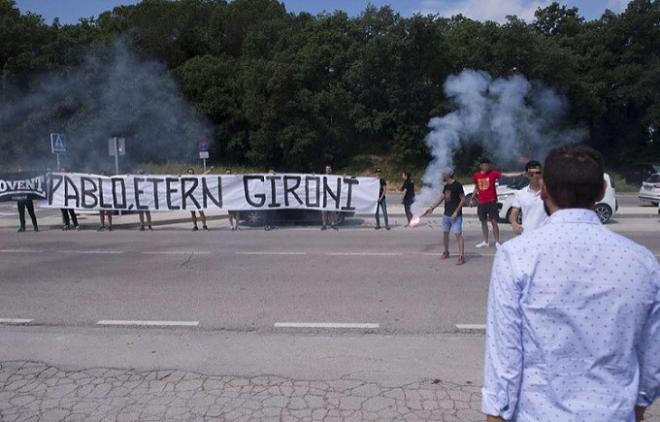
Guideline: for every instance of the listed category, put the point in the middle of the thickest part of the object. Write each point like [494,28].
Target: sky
[69,11]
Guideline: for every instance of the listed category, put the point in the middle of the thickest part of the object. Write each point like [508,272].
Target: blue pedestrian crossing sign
[57,143]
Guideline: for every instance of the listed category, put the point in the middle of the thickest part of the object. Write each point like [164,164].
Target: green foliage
[296,91]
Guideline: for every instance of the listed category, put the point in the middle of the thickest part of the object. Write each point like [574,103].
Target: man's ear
[544,192]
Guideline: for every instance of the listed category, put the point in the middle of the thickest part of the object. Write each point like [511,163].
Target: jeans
[382,205]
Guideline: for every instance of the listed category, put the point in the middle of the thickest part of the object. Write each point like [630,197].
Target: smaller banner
[23,185]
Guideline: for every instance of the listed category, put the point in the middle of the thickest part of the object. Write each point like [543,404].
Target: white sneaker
[481,245]
[497,245]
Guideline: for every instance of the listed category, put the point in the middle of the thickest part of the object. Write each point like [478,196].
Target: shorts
[456,227]
[488,212]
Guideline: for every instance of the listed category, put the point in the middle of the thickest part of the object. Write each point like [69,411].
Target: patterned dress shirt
[573,330]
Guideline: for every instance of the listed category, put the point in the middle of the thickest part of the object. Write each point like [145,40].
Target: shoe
[497,245]
[335,228]
[388,228]
[232,229]
[78,228]
[377,228]
[195,228]
[36,229]
[444,255]
[65,227]
[406,225]
[21,229]
[109,228]
[267,228]
[323,228]
[149,226]
[100,229]
[461,260]
[481,245]
[142,228]
[204,227]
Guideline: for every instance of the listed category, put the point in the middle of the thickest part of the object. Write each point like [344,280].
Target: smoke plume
[112,92]
[511,119]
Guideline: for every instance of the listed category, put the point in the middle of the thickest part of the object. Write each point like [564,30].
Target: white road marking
[324,325]
[176,253]
[91,252]
[364,253]
[471,327]
[148,323]
[21,251]
[271,253]
[15,321]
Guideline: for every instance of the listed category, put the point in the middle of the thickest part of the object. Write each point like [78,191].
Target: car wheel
[604,212]
[518,217]
[468,200]
[254,218]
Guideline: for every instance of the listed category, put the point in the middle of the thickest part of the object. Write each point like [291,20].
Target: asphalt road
[252,279]
[236,300]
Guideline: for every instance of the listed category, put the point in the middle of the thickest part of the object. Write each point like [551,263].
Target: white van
[605,209]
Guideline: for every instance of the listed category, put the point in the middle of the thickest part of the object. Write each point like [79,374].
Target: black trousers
[65,215]
[26,203]
[409,214]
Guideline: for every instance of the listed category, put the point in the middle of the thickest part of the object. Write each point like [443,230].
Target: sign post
[203,148]
[116,147]
[57,146]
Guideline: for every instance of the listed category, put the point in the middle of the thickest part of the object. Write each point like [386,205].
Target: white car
[605,209]
[649,193]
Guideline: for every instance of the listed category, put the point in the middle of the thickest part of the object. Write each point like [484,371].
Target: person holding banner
[69,214]
[328,217]
[103,214]
[382,202]
[202,216]
[233,215]
[22,205]
[145,216]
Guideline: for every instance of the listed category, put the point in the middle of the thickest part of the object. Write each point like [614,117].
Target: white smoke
[511,119]
[112,92]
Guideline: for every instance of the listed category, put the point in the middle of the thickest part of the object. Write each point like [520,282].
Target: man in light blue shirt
[573,330]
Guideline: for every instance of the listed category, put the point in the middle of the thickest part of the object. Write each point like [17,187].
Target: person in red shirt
[485,184]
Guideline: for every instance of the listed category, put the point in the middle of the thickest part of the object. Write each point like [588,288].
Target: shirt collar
[575,215]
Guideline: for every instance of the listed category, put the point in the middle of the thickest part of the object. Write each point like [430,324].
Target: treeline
[295,91]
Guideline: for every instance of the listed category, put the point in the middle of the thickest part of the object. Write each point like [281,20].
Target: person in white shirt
[573,326]
[528,200]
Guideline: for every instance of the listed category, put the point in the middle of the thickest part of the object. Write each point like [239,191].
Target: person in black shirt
[22,205]
[408,188]
[452,220]
[382,202]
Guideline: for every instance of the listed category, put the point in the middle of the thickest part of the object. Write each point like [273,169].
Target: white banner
[213,192]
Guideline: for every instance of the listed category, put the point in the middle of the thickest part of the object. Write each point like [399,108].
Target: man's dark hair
[484,160]
[573,176]
[533,164]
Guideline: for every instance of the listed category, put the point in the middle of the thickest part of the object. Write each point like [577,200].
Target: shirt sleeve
[503,362]
[649,350]
[515,203]
[496,175]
